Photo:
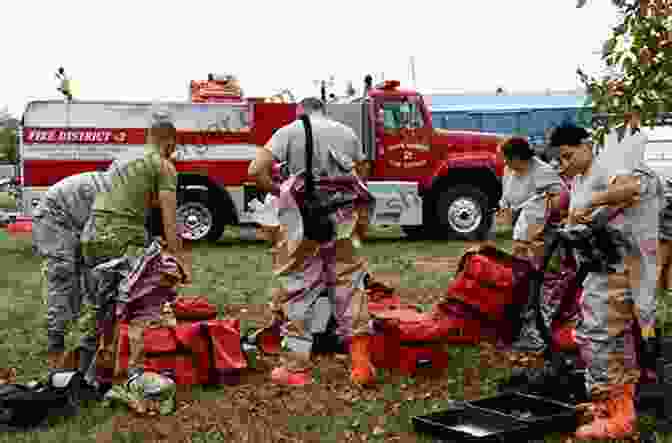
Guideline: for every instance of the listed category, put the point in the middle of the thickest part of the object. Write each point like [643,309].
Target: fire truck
[431,182]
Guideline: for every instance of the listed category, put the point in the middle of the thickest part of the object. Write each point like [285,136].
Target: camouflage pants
[62,295]
[97,340]
[605,332]
[104,242]
[558,291]
[532,251]
[56,240]
[300,277]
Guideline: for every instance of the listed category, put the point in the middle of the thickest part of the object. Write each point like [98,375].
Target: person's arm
[261,169]
[168,204]
[548,183]
[621,189]
[504,204]
[552,200]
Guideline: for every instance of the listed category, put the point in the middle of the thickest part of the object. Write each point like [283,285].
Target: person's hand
[187,277]
[503,211]
[551,200]
[581,216]
[506,214]
[185,264]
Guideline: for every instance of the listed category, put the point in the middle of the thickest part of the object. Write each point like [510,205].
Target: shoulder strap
[310,183]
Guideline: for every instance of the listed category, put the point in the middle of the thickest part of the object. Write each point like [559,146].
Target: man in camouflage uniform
[314,282]
[616,191]
[114,245]
[665,238]
[58,222]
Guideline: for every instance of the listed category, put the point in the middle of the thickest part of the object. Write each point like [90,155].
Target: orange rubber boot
[620,421]
[283,376]
[362,372]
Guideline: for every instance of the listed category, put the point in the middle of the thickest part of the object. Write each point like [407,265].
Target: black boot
[328,342]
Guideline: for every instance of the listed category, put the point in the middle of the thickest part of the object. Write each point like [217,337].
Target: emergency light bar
[389,84]
[221,78]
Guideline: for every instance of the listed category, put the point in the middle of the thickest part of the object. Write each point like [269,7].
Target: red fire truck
[432,182]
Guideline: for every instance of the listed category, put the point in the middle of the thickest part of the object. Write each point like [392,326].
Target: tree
[638,55]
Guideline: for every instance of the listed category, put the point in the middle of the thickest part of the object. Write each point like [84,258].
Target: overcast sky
[149,50]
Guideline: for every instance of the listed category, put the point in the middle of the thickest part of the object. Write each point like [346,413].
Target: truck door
[403,135]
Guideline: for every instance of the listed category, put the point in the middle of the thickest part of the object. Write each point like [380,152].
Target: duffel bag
[484,282]
[389,352]
[194,308]
[417,326]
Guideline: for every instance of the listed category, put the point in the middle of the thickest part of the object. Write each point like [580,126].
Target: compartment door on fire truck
[404,137]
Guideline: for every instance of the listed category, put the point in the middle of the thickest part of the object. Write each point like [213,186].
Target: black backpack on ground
[24,407]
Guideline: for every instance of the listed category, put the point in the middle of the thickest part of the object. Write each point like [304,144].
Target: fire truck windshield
[397,115]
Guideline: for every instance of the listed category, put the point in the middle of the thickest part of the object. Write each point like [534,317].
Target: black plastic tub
[514,417]
[531,409]
[471,425]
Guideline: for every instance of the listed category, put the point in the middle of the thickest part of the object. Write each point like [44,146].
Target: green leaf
[609,46]
[646,87]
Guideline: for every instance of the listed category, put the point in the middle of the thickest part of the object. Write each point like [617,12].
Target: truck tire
[201,217]
[462,213]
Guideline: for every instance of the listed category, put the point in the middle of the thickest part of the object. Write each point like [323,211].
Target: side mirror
[380,118]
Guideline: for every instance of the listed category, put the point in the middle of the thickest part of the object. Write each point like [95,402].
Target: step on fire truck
[431,182]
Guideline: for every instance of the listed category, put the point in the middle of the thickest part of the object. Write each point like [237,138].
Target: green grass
[229,272]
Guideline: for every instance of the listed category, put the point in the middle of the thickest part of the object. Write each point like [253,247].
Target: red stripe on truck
[130,136]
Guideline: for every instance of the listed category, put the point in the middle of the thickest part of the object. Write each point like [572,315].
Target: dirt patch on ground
[390,279]
[255,410]
[437,264]
[255,315]
[421,296]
